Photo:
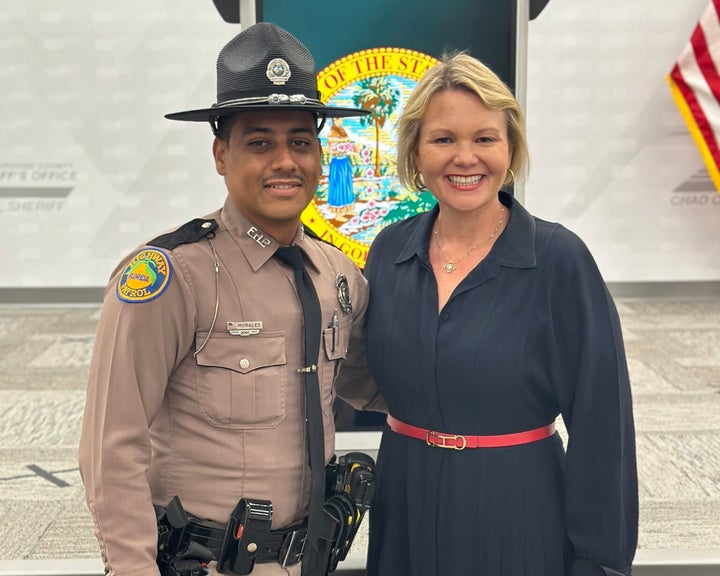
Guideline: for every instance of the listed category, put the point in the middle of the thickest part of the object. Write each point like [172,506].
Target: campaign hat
[265,67]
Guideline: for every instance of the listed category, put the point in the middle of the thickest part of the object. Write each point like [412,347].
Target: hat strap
[271,99]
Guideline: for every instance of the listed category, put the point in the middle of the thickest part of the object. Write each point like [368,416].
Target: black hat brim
[206,114]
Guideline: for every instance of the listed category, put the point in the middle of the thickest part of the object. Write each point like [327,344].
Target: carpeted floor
[673,347]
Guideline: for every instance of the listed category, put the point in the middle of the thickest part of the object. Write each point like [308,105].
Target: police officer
[196,387]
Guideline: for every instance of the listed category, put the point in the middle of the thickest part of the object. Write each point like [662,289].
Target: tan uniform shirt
[179,406]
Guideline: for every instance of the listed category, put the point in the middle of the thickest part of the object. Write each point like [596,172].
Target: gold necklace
[450,264]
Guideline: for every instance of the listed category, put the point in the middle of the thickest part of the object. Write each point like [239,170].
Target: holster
[350,483]
[178,556]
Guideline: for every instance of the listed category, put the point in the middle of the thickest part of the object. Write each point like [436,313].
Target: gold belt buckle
[440,440]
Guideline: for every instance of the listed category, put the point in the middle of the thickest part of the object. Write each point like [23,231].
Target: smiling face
[463,151]
[271,165]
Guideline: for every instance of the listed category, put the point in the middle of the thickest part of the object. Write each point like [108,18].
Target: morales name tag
[244,328]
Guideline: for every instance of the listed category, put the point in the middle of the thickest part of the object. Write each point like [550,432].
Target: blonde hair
[459,72]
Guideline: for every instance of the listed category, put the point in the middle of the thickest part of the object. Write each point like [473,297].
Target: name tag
[244,328]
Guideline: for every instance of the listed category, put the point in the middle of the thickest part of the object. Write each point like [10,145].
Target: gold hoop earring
[512,177]
[418,181]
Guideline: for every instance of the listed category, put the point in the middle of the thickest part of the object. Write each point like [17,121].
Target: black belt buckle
[246,530]
[293,547]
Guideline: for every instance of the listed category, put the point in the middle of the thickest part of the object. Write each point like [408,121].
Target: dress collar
[514,248]
[258,246]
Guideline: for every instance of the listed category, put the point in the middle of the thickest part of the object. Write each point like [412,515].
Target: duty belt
[460,441]
[284,545]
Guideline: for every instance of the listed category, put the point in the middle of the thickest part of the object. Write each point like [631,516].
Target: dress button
[244,363]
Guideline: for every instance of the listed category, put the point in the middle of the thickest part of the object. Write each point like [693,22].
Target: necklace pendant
[448,267]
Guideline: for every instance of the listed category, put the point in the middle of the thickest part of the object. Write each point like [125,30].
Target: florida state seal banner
[370,55]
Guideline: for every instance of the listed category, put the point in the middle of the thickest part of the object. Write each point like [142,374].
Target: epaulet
[313,234]
[188,233]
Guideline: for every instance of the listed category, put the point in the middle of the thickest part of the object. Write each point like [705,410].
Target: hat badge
[278,71]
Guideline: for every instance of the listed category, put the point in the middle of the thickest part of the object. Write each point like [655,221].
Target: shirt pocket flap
[242,354]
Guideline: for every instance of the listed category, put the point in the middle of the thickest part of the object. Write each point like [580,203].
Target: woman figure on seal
[341,196]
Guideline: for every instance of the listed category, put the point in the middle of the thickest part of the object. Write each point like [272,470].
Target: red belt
[460,442]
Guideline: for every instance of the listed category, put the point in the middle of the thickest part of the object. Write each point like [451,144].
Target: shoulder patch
[188,233]
[145,277]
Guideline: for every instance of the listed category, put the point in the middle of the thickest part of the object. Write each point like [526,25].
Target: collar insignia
[258,236]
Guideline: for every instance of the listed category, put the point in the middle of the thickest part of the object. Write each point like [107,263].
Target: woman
[485,324]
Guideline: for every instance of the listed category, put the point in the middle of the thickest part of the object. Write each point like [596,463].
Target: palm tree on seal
[380,98]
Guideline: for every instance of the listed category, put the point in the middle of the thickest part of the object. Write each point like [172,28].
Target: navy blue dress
[529,334]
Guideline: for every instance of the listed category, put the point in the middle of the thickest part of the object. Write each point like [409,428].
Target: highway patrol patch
[146,277]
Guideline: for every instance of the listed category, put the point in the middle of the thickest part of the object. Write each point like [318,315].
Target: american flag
[695,84]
